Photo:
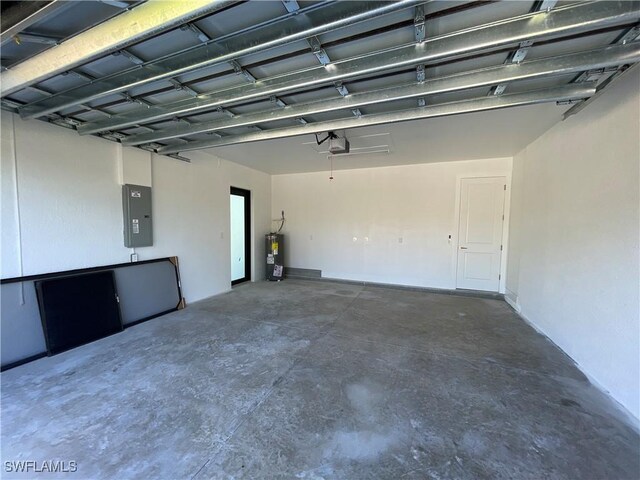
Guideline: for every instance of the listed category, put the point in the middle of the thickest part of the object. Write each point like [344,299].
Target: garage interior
[320,239]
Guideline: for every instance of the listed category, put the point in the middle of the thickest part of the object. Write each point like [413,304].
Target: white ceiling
[493,134]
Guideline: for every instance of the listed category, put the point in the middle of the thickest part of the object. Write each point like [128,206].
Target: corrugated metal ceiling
[241,20]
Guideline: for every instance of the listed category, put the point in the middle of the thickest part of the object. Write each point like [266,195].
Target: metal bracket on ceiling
[72,122]
[420,73]
[547,5]
[342,90]
[181,86]
[292,6]
[129,56]
[183,120]
[419,24]
[115,136]
[518,55]
[499,89]
[224,111]
[318,51]
[151,147]
[197,31]
[237,68]
[61,122]
[277,102]
[595,75]
[131,99]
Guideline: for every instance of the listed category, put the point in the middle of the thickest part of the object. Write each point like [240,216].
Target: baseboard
[441,291]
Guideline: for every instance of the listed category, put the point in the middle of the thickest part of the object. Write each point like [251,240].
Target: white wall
[192,219]
[573,261]
[415,202]
[70,206]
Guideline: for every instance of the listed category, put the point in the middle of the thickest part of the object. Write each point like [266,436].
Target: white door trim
[505,227]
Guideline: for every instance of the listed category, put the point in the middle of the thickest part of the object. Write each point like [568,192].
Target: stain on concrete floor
[316,380]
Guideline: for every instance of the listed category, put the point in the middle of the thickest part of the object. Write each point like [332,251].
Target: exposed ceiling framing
[202,74]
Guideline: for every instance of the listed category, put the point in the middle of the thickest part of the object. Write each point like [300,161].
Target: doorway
[240,238]
[480,233]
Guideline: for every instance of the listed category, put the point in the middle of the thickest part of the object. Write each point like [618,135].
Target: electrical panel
[136,205]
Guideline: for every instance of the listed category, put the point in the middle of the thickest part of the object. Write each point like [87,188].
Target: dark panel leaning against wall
[146,290]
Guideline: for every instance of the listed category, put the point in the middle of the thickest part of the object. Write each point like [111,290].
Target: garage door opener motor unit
[337,145]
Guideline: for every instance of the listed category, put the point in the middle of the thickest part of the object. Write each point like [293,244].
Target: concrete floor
[315,380]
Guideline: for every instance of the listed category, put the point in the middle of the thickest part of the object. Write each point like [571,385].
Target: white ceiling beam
[140,23]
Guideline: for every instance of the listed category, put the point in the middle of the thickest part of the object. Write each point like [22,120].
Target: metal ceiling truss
[566,92]
[377,76]
[570,63]
[135,25]
[313,20]
[338,42]
[515,36]
[556,23]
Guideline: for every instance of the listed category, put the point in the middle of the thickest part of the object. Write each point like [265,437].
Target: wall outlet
[134,257]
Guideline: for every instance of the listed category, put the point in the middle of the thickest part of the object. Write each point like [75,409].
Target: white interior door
[480,233]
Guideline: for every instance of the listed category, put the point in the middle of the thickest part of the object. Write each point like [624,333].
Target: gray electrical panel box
[136,205]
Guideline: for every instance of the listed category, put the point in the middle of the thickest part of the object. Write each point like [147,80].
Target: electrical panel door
[136,203]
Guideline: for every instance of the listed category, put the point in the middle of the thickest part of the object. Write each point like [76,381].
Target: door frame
[455,240]
[246,194]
